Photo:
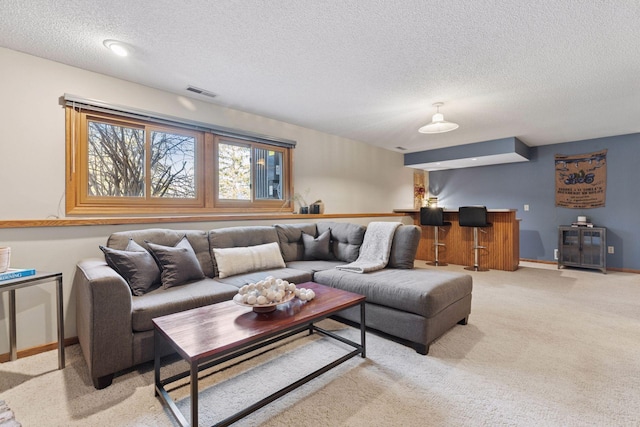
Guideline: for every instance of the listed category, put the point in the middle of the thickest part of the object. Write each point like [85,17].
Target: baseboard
[5,357]
[622,270]
[539,261]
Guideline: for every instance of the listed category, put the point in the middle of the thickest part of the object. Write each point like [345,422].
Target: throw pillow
[346,239]
[317,248]
[232,261]
[178,264]
[135,265]
[404,247]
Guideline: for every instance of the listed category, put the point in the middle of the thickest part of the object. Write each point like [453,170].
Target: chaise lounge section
[114,323]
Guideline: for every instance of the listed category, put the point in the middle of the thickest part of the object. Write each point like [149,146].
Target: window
[125,165]
[249,172]
[234,172]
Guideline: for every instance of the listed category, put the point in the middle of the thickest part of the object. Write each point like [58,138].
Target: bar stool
[434,217]
[476,217]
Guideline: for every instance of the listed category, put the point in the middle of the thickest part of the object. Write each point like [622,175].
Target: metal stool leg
[476,247]
[437,244]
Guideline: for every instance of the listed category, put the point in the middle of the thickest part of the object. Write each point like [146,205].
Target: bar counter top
[452,210]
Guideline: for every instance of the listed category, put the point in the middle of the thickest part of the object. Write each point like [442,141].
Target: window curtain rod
[118,110]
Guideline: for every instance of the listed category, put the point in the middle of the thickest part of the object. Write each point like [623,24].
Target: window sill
[72,222]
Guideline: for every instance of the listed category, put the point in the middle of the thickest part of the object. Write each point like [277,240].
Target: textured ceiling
[546,72]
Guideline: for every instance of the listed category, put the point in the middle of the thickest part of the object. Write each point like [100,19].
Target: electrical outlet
[555,254]
[610,249]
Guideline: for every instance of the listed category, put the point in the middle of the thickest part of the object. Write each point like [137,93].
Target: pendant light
[438,123]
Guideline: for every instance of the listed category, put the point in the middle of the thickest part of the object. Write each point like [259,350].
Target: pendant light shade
[438,123]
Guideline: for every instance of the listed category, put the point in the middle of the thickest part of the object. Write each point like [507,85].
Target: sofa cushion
[346,239]
[161,302]
[233,237]
[290,238]
[232,261]
[290,274]
[313,266]
[404,246]
[419,291]
[199,241]
[135,265]
[178,264]
[317,248]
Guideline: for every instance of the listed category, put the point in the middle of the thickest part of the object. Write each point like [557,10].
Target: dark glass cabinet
[582,247]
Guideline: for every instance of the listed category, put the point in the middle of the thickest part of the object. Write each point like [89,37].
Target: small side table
[23,282]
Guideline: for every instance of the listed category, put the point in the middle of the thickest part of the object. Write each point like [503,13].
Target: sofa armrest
[103,318]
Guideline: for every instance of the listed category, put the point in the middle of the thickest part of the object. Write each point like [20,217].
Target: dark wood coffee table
[216,333]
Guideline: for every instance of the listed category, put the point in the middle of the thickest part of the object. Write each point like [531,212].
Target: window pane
[173,172]
[234,172]
[268,172]
[115,161]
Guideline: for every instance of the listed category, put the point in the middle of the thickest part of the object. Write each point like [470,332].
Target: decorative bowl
[266,308]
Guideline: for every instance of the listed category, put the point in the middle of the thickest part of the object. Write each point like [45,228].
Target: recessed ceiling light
[116,47]
[474,159]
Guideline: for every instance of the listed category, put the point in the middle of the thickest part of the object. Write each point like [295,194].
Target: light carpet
[543,347]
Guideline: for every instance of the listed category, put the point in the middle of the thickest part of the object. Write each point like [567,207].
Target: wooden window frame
[265,205]
[78,202]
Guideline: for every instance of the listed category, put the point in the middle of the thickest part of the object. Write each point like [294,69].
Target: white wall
[349,176]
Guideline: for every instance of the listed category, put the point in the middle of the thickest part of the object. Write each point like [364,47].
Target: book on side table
[16,273]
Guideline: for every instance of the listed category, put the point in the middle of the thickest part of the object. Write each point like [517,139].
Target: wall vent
[201,91]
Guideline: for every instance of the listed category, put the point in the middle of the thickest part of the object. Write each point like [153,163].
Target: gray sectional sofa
[118,296]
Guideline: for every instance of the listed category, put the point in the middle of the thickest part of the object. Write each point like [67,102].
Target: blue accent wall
[533,183]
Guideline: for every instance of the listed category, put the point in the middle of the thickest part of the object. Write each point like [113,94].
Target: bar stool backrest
[472,216]
[432,216]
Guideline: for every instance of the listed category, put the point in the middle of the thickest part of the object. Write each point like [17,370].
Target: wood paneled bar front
[502,240]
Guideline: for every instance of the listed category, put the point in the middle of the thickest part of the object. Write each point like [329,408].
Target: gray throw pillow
[346,239]
[317,248]
[404,247]
[178,264]
[135,265]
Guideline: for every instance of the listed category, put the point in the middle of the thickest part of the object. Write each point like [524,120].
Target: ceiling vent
[201,91]
[401,148]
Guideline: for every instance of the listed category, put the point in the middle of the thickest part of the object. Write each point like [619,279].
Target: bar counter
[502,240]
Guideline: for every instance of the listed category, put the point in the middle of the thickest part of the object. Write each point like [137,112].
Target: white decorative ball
[270,291]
